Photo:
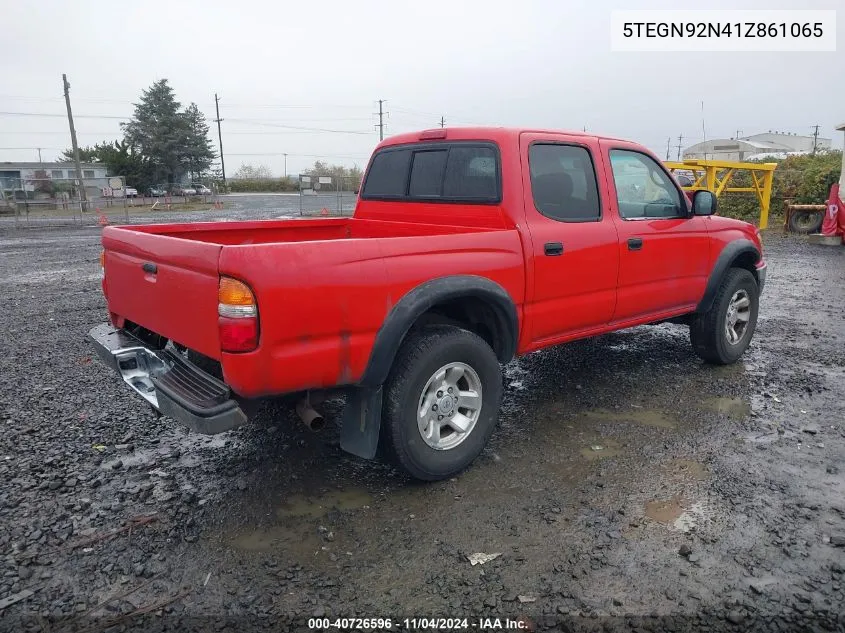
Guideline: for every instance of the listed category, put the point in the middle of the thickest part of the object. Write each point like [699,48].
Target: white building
[12,175]
[767,144]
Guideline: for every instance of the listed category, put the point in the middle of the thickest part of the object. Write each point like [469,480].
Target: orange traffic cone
[324,211]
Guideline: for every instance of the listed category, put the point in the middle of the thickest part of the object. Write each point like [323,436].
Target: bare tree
[250,172]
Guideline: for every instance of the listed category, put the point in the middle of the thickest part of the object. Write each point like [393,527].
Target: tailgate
[166,284]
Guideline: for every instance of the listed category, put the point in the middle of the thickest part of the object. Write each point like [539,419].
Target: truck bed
[269,232]
[323,287]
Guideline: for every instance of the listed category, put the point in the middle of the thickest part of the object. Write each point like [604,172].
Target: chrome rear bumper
[170,383]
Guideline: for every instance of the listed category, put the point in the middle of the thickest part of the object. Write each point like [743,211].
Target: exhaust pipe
[313,420]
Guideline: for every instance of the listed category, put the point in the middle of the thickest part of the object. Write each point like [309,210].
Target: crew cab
[468,246]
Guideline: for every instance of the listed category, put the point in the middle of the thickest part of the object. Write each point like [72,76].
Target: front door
[573,238]
[664,251]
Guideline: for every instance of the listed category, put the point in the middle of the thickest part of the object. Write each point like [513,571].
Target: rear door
[664,251]
[573,238]
[165,284]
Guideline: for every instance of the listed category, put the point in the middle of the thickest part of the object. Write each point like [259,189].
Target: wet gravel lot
[629,486]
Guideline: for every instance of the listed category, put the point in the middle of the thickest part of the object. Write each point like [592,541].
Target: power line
[261,122]
[78,116]
[301,155]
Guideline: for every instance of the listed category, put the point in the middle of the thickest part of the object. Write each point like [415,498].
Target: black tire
[707,331]
[422,353]
[805,221]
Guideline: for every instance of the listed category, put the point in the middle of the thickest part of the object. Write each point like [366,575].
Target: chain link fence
[107,200]
[39,202]
[327,195]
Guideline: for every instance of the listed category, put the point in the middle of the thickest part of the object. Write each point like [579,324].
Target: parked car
[181,190]
[130,192]
[201,189]
[468,246]
[157,191]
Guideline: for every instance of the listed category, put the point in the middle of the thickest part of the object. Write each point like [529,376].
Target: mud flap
[361,422]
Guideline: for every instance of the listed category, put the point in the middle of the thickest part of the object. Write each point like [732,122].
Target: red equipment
[834,215]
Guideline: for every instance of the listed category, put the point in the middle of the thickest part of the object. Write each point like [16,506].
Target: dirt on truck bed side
[628,485]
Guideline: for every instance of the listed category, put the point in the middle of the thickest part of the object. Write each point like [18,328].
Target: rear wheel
[723,333]
[441,402]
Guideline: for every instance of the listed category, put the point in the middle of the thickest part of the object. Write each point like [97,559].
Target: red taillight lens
[237,319]
[238,335]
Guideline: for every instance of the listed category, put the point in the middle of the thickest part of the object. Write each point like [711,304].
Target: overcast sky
[325,64]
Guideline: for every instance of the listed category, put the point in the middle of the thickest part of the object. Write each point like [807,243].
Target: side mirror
[704,203]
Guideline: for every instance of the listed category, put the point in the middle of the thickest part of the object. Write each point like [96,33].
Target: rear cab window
[466,172]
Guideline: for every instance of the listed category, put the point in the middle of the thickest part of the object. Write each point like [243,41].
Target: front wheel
[441,402]
[723,333]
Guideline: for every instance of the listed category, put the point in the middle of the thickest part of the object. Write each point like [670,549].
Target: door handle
[635,243]
[553,248]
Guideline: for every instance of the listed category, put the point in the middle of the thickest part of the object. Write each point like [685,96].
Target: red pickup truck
[467,247]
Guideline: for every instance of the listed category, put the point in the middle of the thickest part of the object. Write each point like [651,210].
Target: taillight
[237,319]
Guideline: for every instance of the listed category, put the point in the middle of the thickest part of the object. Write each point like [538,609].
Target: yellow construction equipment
[716,175]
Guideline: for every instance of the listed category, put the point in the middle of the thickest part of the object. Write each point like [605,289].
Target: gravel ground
[629,486]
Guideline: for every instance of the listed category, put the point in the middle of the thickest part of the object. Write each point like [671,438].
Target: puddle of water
[734,408]
[724,371]
[646,417]
[691,517]
[264,540]
[603,448]
[688,469]
[664,511]
[316,507]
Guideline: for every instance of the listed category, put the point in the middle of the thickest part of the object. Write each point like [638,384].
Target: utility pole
[679,145]
[286,165]
[738,132]
[668,140]
[442,121]
[39,157]
[815,138]
[218,120]
[82,194]
[381,114]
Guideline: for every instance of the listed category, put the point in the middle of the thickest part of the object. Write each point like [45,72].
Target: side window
[387,175]
[563,182]
[471,174]
[643,189]
[427,174]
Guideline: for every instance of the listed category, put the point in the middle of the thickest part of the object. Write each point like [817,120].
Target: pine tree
[159,132]
[199,153]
